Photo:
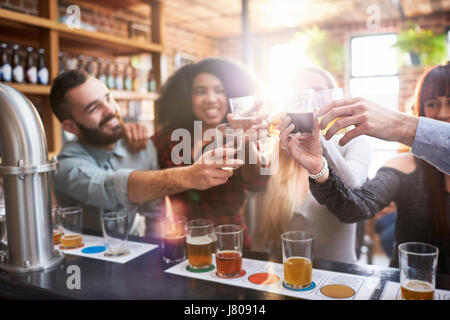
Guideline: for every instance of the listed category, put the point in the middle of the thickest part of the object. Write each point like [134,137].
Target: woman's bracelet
[322,172]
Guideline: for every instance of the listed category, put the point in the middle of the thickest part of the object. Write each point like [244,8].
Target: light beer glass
[325,97]
[418,262]
[229,246]
[71,219]
[57,228]
[297,247]
[243,110]
[199,243]
[300,108]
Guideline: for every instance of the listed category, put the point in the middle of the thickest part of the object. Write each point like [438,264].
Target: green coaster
[211,267]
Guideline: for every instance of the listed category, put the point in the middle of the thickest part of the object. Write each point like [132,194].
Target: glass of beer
[325,97]
[57,228]
[230,136]
[243,110]
[115,233]
[71,219]
[418,262]
[173,238]
[229,246]
[199,243]
[300,108]
[297,247]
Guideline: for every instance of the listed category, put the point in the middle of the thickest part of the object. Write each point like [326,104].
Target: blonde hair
[288,186]
[280,198]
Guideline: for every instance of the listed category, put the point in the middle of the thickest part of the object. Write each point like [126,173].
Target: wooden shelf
[106,41]
[116,4]
[30,88]
[45,31]
[133,95]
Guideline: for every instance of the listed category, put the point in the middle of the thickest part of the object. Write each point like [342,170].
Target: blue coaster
[95,249]
[312,286]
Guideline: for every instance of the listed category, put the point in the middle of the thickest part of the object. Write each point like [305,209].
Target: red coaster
[243,272]
[263,278]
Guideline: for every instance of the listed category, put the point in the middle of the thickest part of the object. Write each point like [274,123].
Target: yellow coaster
[337,291]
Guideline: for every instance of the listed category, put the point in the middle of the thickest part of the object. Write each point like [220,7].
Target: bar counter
[144,278]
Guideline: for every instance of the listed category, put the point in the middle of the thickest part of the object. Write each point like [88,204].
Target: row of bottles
[13,69]
[114,75]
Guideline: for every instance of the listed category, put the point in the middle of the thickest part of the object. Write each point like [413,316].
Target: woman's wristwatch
[322,172]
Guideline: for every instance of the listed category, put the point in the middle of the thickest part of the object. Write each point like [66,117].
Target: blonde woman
[289,205]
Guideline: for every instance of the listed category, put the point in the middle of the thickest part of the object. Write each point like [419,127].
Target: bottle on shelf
[101,71]
[128,83]
[17,67]
[5,65]
[119,77]
[136,82]
[90,67]
[62,62]
[81,63]
[31,70]
[110,80]
[42,74]
[151,81]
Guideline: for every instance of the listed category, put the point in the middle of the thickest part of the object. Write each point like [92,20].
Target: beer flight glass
[297,249]
[418,263]
[229,247]
[300,107]
[173,238]
[199,244]
[115,233]
[243,110]
[71,220]
[325,97]
[230,136]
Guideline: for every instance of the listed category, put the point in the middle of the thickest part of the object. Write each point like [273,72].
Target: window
[374,76]
[284,60]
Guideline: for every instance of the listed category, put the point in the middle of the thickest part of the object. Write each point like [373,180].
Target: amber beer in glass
[71,219]
[297,249]
[418,263]
[229,246]
[325,97]
[199,243]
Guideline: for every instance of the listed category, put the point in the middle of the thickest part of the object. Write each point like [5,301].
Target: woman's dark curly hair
[174,105]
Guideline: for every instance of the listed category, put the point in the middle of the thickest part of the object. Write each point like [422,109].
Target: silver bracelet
[322,172]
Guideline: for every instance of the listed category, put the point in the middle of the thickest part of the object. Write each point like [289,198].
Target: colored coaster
[243,272]
[210,268]
[263,278]
[94,249]
[71,248]
[337,291]
[312,286]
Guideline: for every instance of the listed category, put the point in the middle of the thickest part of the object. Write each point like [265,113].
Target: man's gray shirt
[97,179]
